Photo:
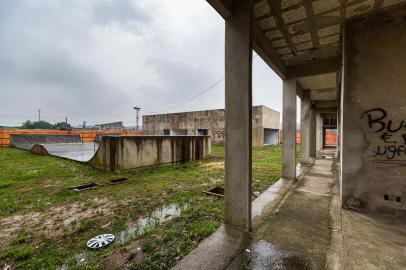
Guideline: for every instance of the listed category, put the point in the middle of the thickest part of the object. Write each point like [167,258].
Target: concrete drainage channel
[88,186]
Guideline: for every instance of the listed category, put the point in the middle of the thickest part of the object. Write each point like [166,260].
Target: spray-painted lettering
[392,134]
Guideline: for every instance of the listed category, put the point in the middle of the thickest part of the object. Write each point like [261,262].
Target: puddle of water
[264,255]
[159,216]
[79,259]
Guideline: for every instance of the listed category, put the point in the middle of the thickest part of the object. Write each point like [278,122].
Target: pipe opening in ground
[85,187]
[217,192]
[118,181]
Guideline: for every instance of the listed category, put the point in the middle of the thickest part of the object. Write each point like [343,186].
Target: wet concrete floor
[296,235]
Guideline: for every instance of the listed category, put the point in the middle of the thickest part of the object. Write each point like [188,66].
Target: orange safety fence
[297,137]
[85,135]
[331,137]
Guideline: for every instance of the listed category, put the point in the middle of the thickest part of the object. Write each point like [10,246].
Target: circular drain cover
[100,241]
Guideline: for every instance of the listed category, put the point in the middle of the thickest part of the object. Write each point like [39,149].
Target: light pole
[137,109]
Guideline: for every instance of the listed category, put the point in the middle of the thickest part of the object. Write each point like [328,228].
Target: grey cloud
[121,11]
[64,57]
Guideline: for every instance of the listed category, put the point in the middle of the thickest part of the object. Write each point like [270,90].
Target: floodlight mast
[137,109]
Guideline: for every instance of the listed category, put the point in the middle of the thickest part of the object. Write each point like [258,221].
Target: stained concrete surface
[219,250]
[373,242]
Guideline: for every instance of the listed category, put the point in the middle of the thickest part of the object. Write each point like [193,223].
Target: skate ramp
[27,141]
[81,152]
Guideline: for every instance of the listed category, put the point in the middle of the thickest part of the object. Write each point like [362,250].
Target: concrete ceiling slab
[323,94]
[306,31]
[322,81]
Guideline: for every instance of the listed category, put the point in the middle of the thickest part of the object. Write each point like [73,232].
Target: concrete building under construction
[265,124]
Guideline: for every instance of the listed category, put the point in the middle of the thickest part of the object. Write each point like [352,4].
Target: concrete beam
[326,104]
[325,110]
[289,129]
[299,90]
[223,7]
[327,65]
[264,48]
[324,94]
[238,115]
[305,125]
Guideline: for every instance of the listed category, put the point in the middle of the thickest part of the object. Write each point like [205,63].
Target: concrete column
[305,125]
[313,134]
[289,129]
[238,115]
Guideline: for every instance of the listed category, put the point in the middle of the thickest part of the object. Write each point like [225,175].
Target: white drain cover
[100,241]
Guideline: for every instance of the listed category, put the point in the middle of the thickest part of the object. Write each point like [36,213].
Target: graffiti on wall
[218,135]
[391,135]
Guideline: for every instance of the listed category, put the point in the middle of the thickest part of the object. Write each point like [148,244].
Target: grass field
[158,217]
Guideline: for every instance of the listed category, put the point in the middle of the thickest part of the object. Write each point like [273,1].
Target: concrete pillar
[289,129]
[305,128]
[238,115]
[313,134]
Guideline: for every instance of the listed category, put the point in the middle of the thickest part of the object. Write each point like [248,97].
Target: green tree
[37,125]
[63,126]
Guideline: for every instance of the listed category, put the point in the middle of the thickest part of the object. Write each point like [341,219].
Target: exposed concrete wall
[213,121]
[270,118]
[118,153]
[374,114]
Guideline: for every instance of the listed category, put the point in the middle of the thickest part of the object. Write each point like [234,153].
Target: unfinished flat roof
[298,38]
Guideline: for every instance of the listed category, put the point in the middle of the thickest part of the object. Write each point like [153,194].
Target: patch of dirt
[265,170]
[54,221]
[213,165]
[122,258]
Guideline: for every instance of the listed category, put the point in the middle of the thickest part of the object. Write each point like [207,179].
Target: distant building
[265,124]
[112,126]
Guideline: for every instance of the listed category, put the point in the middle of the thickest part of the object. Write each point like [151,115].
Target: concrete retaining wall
[124,153]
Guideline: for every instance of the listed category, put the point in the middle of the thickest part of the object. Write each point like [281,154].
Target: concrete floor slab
[372,242]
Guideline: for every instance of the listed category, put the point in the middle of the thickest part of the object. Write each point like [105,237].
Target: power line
[32,116]
[196,96]
[190,99]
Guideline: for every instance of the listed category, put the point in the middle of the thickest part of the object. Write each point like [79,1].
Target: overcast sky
[94,60]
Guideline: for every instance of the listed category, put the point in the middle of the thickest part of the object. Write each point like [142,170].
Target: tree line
[46,125]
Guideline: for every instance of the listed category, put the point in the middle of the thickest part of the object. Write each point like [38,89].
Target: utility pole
[66,120]
[138,109]
[39,115]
